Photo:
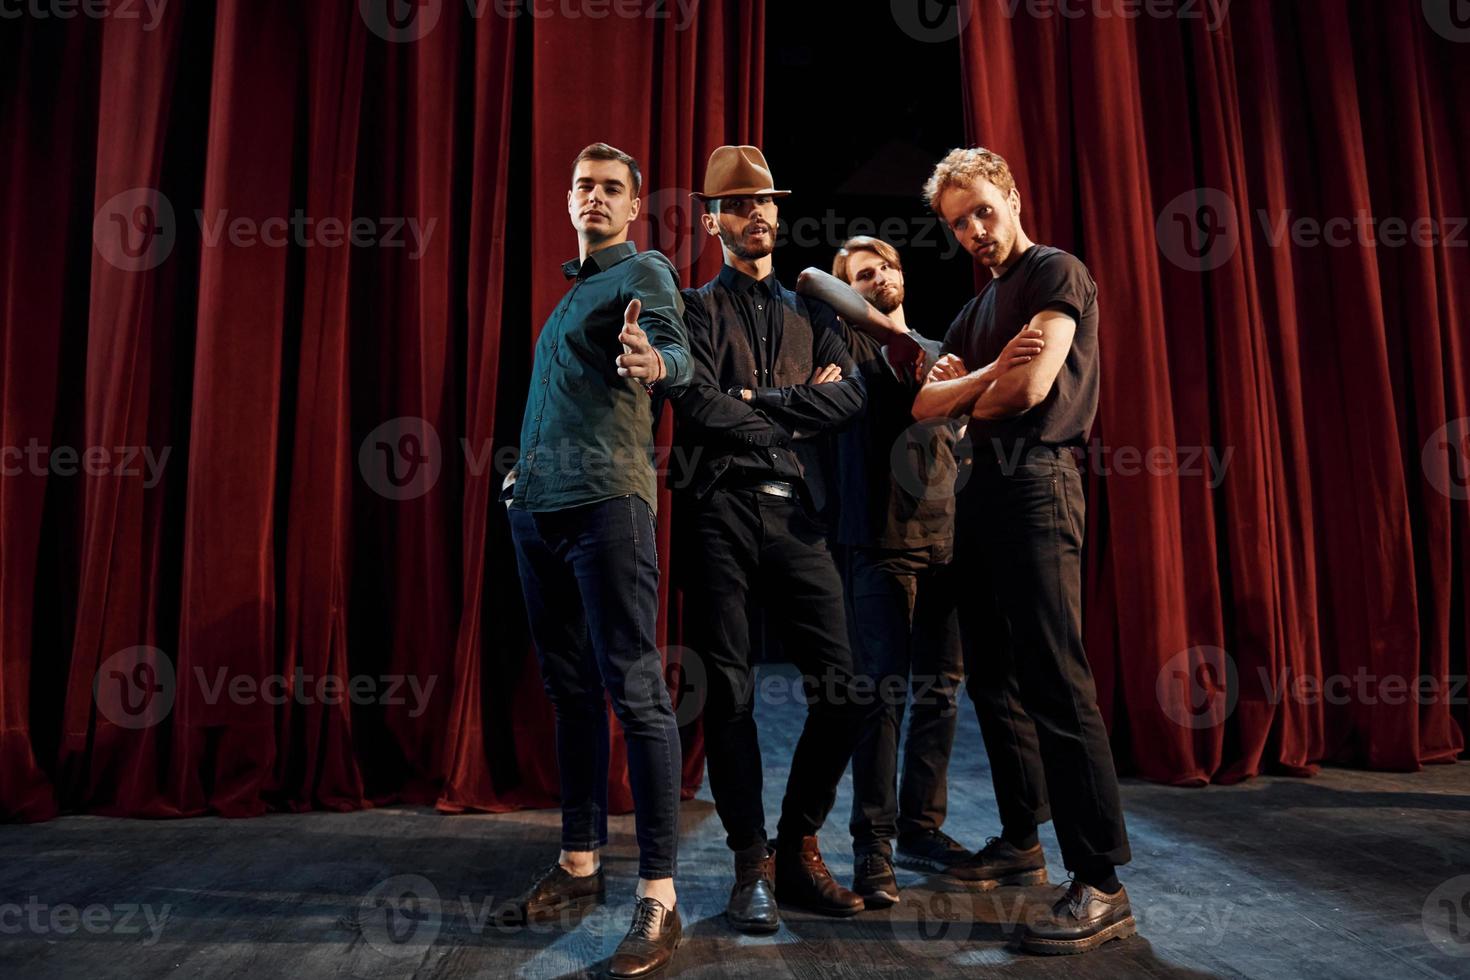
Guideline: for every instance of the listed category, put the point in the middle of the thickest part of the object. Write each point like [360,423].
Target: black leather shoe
[803,881]
[1081,920]
[933,851]
[873,879]
[650,943]
[553,891]
[999,863]
[752,905]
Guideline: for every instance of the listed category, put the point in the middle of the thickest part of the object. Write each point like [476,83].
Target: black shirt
[758,335]
[587,434]
[1045,278]
[897,475]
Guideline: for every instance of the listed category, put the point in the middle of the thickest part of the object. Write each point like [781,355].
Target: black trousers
[905,635]
[1018,553]
[590,578]
[737,541]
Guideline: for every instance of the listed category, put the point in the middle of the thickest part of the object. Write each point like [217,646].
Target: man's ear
[1015,202]
[635,209]
[711,227]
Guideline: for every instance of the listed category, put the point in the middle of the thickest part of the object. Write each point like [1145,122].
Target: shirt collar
[738,282]
[599,261]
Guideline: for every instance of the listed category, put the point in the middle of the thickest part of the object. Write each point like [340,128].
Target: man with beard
[582,499]
[1018,544]
[895,535]
[771,377]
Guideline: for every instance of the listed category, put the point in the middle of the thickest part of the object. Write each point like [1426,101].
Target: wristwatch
[736,391]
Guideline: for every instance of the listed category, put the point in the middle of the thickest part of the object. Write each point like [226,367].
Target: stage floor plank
[1349,874]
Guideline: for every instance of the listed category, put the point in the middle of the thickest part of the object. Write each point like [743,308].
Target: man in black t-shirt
[1018,544]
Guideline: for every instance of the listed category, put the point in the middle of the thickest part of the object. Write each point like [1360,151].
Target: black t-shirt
[897,476]
[1045,278]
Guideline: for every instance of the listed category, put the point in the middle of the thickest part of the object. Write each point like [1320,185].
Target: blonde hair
[863,243]
[961,168]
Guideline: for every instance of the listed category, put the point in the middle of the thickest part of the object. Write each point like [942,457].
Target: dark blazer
[779,434]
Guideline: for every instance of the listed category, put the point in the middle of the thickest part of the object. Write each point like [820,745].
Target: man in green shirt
[582,501]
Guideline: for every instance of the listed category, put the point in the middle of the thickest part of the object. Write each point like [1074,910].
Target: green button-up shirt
[587,434]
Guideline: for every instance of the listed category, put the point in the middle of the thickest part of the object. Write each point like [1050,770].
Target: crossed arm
[1014,383]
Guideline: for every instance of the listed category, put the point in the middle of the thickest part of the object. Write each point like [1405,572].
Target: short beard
[737,247]
[887,306]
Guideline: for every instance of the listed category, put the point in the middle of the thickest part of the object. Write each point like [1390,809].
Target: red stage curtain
[275,377]
[1335,549]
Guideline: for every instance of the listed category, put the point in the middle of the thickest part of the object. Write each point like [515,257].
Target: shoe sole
[1065,947]
[753,928]
[1020,879]
[1033,877]
[878,900]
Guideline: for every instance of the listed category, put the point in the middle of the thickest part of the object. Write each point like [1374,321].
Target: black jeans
[590,578]
[1018,553]
[737,540]
[905,633]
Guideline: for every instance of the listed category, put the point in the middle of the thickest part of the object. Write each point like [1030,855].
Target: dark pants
[1018,554]
[739,540]
[590,577]
[905,633]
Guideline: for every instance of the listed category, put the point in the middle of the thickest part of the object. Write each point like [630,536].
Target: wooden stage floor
[1351,874]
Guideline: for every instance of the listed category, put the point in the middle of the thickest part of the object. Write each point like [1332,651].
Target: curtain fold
[295,256]
[1284,612]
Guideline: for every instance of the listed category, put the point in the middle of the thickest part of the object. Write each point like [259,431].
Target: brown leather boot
[803,881]
[752,905]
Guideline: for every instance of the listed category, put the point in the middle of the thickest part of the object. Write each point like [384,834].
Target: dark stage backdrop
[295,446]
[1294,613]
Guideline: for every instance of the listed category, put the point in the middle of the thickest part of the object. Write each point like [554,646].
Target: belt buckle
[776,488]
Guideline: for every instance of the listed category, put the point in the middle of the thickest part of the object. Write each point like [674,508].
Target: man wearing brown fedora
[772,377]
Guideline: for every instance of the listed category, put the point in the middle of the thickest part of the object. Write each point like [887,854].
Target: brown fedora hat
[737,171]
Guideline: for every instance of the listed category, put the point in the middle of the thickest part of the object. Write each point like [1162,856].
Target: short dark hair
[601,151]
